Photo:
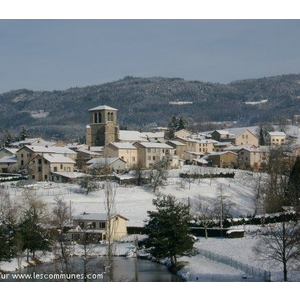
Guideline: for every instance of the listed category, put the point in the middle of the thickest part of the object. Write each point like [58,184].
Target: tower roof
[102,107]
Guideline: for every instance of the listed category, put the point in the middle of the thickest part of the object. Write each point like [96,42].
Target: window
[22,162]
[153,157]
[101,225]
[22,155]
[46,177]
[40,160]
[55,169]
[133,158]
[61,167]
[93,225]
[96,118]
[149,150]
[246,136]
[39,169]
[33,177]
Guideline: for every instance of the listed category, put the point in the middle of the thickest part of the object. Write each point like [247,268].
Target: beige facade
[276,138]
[179,148]
[246,137]
[8,164]
[192,145]
[103,128]
[254,159]
[150,153]
[225,159]
[237,136]
[125,151]
[97,225]
[41,166]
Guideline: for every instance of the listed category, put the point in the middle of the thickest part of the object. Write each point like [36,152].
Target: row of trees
[10,138]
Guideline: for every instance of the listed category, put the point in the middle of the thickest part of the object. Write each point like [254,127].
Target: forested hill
[144,101]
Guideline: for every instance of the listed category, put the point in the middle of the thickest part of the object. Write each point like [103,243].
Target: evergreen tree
[261,137]
[6,241]
[172,127]
[23,135]
[293,188]
[34,235]
[168,229]
[181,123]
[8,140]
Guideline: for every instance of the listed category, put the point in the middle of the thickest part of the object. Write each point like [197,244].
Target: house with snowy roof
[225,159]
[276,138]
[253,158]
[150,153]
[106,165]
[237,136]
[8,164]
[6,151]
[41,166]
[125,151]
[94,226]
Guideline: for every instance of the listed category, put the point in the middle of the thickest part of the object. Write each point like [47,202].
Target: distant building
[103,128]
[253,158]
[276,138]
[107,165]
[236,136]
[95,226]
[125,151]
[226,159]
[41,166]
[150,153]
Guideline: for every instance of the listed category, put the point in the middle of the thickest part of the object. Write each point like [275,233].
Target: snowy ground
[133,202]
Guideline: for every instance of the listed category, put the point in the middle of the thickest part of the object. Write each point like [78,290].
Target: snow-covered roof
[102,107]
[158,134]
[239,147]
[220,153]
[123,146]
[11,150]
[58,158]
[62,150]
[177,143]
[71,175]
[95,217]
[86,151]
[156,145]
[280,133]
[39,149]
[102,162]
[8,160]
[131,135]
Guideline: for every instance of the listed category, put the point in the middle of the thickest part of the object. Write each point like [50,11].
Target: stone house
[41,166]
[253,158]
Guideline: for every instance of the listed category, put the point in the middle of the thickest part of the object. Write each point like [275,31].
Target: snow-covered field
[133,202]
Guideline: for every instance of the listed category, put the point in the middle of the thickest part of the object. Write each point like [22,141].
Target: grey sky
[59,54]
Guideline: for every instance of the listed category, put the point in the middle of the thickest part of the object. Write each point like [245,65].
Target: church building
[103,128]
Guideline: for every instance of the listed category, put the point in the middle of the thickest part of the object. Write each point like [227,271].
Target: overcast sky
[59,54]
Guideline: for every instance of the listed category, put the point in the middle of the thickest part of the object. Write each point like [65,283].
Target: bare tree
[280,244]
[110,206]
[203,213]
[158,174]
[223,205]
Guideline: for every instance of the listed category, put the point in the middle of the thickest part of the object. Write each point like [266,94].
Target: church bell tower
[103,128]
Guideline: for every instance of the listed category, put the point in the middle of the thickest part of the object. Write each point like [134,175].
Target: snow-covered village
[212,206]
[146,154]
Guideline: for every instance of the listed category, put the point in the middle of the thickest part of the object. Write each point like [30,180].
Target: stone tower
[103,128]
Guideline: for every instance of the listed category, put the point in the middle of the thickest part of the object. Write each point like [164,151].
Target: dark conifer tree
[168,229]
[293,188]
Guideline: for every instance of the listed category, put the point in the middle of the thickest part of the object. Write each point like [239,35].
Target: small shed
[235,233]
